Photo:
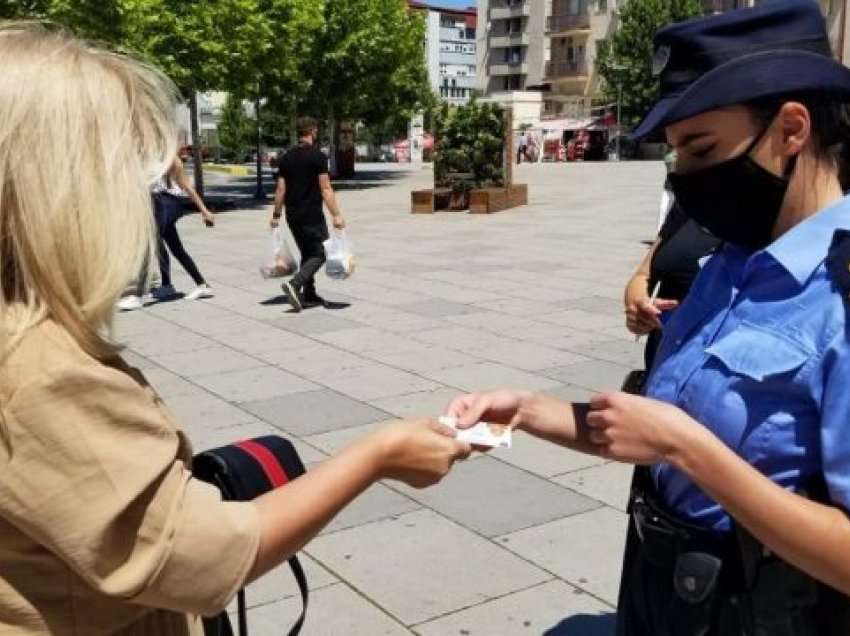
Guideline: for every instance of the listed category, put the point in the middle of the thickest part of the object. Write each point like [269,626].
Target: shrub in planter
[470,149]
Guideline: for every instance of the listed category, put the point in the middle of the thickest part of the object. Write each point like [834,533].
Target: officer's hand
[638,430]
[644,314]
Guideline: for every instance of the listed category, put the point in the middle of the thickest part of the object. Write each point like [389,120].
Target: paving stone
[619,351]
[379,502]
[206,410]
[311,412]
[417,567]
[165,340]
[489,375]
[314,361]
[336,610]
[581,319]
[376,381]
[527,356]
[137,361]
[595,375]
[212,359]
[168,384]
[550,609]
[362,339]
[438,308]
[598,305]
[422,403]
[609,483]
[311,322]
[254,384]
[334,441]
[585,550]
[421,358]
[543,458]
[494,498]
[280,584]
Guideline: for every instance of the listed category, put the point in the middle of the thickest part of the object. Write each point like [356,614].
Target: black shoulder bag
[242,472]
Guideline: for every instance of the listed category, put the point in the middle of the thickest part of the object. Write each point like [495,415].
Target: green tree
[625,60]
[368,63]
[235,128]
[200,45]
[100,20]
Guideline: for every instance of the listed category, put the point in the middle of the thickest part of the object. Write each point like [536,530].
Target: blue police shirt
[759,354]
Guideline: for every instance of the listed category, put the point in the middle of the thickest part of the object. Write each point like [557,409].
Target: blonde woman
[103,530]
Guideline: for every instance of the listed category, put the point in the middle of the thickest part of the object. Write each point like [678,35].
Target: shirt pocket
[750,391]
[759,354]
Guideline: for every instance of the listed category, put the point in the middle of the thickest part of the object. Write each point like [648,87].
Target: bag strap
[301,579]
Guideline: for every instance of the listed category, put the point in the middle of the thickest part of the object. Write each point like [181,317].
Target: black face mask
[736,200]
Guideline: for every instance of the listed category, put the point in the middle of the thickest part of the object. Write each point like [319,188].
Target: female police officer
[741,521]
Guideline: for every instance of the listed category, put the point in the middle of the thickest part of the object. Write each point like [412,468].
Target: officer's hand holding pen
[644,315]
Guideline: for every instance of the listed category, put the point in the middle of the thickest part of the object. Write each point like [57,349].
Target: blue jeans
[167,213]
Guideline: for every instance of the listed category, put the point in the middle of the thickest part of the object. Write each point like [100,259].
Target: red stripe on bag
[268,462]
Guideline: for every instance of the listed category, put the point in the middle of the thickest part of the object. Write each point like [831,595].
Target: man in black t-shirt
[303,184]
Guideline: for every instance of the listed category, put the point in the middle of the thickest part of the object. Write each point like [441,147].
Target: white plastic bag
[341,262]
[280,262]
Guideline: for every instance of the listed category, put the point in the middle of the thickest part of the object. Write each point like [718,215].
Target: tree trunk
[197,154]
[260,193]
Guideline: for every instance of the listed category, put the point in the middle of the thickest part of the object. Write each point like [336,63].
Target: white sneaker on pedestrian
[201,291]
[164,292]
[130,303]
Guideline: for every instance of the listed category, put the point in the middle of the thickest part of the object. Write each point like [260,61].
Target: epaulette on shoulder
[838,263]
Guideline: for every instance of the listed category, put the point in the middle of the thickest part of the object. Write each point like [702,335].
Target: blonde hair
[84,132]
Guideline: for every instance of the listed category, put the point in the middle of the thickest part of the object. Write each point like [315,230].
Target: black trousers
[167,213]
[310,240]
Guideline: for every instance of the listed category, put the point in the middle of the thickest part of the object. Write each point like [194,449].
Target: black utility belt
[727,583]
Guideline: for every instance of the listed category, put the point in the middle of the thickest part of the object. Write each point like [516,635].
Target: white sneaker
[164,292]
[130,303]
[201,291]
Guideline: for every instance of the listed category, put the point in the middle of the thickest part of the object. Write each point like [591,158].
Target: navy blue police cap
[779,47]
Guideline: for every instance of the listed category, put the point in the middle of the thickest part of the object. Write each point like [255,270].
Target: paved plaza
[522,541]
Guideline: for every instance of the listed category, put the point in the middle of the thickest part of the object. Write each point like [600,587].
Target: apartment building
[450,49]
[512,47]
[575,28]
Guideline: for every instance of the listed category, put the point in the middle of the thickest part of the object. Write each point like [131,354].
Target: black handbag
[242,472]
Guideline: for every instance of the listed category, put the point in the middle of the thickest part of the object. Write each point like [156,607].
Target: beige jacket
[103,530]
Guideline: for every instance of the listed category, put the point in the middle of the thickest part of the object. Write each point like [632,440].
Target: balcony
[566,69]
[509,40]
[566,23]
[505,9]
[509,68]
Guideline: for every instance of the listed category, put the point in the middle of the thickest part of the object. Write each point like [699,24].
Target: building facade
[549,47]
[575,28]
[512,47]
[450,49]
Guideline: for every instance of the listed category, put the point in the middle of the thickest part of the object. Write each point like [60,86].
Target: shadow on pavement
[585,625]
[282,300]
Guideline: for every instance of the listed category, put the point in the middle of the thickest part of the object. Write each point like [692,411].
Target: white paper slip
[482,434]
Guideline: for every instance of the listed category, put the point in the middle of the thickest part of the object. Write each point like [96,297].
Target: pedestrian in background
[303,185]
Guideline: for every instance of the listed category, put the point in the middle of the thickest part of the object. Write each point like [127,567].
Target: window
[603,6]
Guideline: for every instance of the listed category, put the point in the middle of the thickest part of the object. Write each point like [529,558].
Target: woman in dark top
[671,265]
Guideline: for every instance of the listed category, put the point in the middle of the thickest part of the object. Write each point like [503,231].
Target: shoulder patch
[838,263]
